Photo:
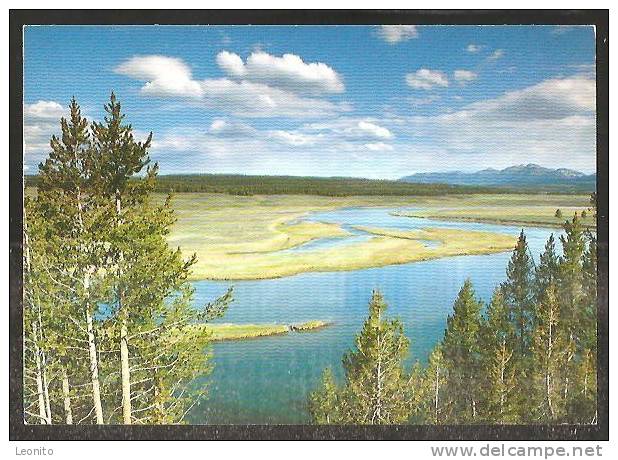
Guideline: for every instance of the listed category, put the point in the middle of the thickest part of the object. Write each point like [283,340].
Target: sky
[357,101]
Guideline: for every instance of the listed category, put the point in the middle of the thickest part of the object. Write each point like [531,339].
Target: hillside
[528,176]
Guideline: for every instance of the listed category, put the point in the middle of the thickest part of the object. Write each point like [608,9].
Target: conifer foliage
[109,328]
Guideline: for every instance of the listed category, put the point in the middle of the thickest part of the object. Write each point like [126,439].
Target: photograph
[321,228]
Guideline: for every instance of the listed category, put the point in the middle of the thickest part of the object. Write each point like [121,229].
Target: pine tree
[593,204]
[548,359]
[571,272]
[432,401]
[582,402]
[547,271]
[499,367]
[324,403]
[36,325]
[589,301]
[571,298]
[123,158]
[376,387]
[376,384]
[75,216]
[518,293]
[158,349]
[462,355]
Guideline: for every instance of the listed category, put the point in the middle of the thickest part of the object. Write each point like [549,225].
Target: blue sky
[380,102]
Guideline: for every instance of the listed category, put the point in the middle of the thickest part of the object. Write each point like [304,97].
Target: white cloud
[351,128]
[379,147]
[171,77]
[426,79]
[289,72]
[553,99]
[43,110]
[375,130]
[397,33]
[231,128]
[294,138]
[41,120]
[551,123]
[164,76]
[464,76]
[497,54]
[231,63]
[472,48]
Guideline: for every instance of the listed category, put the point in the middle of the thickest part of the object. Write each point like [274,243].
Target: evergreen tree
[75,216]
[461,348]
[432,400]
[518,293]
[324,403]
[547,271]
[571,273]
[582,402]
[571,299]
[499,368]
[376,383]
[589,301]
[376,387]
[153,363]
[548,360]
[593,204]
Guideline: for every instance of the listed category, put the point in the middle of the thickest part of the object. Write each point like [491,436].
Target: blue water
[266,380]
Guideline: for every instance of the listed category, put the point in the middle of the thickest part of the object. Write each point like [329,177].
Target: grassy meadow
[239,237]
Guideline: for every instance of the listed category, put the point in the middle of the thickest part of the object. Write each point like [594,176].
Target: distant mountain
[521,176]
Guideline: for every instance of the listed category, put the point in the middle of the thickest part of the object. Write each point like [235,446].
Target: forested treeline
[528,357]
[108,334]
[292,185]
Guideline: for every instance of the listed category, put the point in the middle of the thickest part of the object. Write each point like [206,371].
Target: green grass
[251,331]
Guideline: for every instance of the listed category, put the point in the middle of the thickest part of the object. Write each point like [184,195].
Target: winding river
[266,380]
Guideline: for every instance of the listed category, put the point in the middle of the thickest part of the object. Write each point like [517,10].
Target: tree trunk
[67,398]
[39,379]
[124,339]
[437,393]
[94,360]
[46,389]
[126,376]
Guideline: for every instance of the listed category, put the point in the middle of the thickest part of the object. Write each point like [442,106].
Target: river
[267,380]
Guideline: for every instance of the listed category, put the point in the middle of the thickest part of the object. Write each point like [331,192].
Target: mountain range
[520,176]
